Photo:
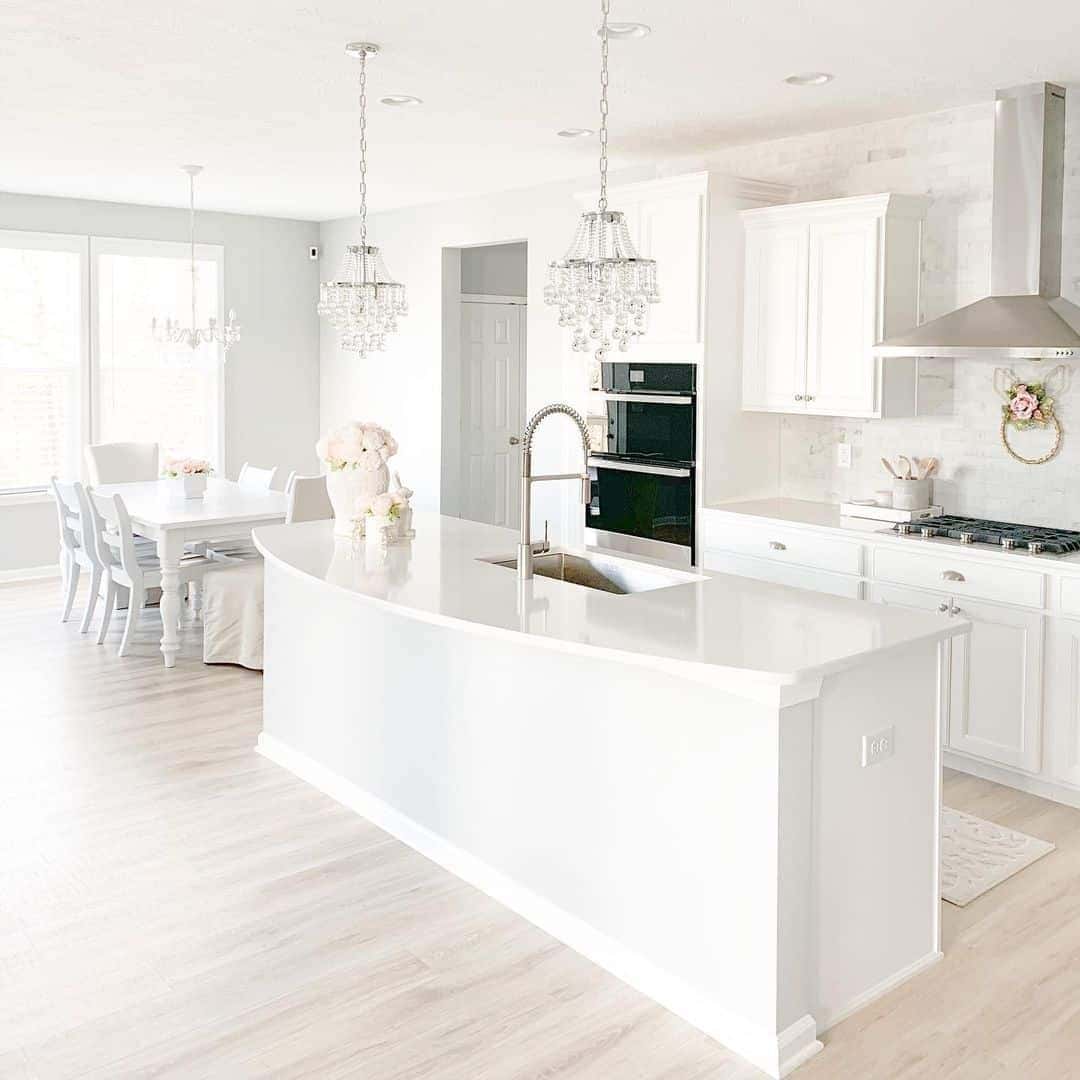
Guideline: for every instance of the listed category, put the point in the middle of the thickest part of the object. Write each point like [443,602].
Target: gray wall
[271,376]
[494,270]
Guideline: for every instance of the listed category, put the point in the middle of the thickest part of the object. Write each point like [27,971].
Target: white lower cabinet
[995,709]
[1063,700]
[995,676]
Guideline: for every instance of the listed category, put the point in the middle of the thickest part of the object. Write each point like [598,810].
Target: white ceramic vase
[190,487]
[345,486]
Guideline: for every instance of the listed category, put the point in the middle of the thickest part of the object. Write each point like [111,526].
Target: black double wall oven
[643,427]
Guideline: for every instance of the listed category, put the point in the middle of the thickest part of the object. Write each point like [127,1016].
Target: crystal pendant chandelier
[602,286]
[364,306]
[171,332]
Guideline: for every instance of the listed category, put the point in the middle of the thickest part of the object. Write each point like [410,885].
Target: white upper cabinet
[824,281]
[666,219]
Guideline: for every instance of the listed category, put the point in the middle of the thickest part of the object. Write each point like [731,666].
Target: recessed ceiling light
[576,133]
[624,31]
[810,78]
[401,99]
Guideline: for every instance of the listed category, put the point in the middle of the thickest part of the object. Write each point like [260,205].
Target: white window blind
[43,338]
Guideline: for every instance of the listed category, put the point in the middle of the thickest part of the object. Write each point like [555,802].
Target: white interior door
[493,382]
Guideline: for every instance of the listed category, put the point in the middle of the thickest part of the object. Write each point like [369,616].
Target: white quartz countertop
[717,628]
[803,513]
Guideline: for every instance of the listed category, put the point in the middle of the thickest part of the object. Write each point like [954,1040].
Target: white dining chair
[233,595]
[121,462]
[255,479]
[251,478]
[76,552]
[308,500]
[128,567]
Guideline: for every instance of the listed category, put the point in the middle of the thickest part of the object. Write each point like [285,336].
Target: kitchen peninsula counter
[669,781]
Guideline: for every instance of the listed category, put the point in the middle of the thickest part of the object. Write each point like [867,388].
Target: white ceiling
[105,99]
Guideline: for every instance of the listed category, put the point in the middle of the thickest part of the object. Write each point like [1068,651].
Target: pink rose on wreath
[1024,404]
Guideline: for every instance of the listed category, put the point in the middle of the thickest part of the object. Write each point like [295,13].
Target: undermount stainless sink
[618,576]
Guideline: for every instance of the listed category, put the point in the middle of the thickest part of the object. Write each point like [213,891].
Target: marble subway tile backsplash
[948,156]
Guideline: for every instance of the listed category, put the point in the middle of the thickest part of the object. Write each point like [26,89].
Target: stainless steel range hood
[1025,316]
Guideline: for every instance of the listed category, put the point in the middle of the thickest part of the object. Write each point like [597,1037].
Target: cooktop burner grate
[1002,533]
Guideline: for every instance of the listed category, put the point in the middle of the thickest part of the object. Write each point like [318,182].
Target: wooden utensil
[889,469]
[906,462]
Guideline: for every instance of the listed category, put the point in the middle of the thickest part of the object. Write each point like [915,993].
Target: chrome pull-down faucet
[525,548]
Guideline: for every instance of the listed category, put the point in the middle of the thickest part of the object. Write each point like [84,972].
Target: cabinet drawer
[726,562]
[959,577]
[795,546]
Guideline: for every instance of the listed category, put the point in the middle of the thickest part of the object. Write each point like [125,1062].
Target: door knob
[514,440]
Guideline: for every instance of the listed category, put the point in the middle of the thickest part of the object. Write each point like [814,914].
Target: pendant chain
[363,150]
[191,219]
[605,8]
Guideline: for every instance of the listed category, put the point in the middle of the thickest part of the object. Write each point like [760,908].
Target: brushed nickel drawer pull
[952,575]
[777,546]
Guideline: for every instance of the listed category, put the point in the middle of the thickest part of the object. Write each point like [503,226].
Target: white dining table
[226,512]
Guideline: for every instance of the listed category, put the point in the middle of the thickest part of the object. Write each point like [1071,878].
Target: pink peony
[1024,404]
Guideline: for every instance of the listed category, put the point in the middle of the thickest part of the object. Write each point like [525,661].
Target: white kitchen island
[669,781]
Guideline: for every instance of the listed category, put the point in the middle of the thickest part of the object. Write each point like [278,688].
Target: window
[78,362]
[42,357]
[144,391]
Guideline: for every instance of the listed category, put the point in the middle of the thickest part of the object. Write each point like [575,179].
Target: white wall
[948,156]
[494,270]
[271,376]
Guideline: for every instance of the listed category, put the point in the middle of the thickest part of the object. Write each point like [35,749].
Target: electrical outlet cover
[843,455]
[878,746]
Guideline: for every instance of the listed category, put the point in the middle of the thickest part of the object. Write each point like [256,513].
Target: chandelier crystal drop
[602,286]
[171,332]
[364,306]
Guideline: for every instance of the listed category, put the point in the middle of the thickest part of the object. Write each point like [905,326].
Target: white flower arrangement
[175,467]
[357,445]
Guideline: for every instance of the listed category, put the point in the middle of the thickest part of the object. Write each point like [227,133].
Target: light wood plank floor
[173,905]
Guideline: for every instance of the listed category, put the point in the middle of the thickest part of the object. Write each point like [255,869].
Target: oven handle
[633,466]
[648,399]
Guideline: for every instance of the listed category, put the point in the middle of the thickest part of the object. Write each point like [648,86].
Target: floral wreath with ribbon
[1029,405]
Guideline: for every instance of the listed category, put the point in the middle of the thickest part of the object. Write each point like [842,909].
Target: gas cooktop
[1033,538]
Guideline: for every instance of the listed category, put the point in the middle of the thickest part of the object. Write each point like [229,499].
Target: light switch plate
[843,455]
[878,746]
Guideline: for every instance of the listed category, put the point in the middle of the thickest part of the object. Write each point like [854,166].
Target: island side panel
[631,813]
[875,829]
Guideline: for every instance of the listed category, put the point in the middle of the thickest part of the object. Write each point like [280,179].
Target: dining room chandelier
[364,306]
[171,331]
[602,286]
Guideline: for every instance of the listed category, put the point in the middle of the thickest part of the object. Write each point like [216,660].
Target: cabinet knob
[952,575]
[514,440]
[943,606]
[798,397]
[777,546]
[954,610]
[809,397]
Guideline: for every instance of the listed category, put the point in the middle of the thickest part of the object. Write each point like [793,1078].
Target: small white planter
[190,487]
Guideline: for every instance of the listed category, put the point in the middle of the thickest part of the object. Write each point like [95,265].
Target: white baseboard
[776,1054]
[30,573]
[860,1001]
[1056,791]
